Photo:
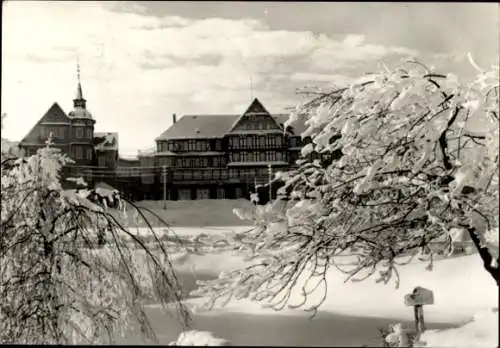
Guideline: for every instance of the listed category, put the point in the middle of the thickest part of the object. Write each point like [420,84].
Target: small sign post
[418,298]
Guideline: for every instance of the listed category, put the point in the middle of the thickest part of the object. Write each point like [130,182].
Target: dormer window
[79,132]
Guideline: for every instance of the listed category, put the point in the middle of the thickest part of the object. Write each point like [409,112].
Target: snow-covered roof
[106,141]
[216,126]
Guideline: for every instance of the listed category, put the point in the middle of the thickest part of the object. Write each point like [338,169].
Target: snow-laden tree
[70,273]
[410,169]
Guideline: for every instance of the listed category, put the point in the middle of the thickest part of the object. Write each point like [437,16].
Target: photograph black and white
[250,173]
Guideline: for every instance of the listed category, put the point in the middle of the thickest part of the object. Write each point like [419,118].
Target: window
[101,161]
[270,155]
[89,154]
[191,145]
[243,157]
[78,152]
[206,174]
[261,126]
[233,173]
[218,145]
[44,134]
[181,146]
[188,175]
[271,141]
[197,175]
[203,193]
[221,194]
[235,157]
[262,141]
[278,140]
[184,194]
[177,175]
[223,174]
[216,174]
[239,192]
[79,132]
[88,135]
[262,157]
[162,161]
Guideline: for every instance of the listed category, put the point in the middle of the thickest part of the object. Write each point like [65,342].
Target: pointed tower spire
[79,101]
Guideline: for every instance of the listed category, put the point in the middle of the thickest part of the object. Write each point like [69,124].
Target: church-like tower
[82,128]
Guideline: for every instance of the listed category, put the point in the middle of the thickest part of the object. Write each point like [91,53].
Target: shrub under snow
[199,338]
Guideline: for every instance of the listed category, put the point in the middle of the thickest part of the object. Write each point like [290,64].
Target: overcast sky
[141,62]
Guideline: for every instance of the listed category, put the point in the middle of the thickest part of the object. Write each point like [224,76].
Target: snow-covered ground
[461,286]
[188,231]
[481,332]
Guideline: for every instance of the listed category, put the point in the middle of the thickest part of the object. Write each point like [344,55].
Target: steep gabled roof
[55,114]
[255,108]
[199,126]
[216,126]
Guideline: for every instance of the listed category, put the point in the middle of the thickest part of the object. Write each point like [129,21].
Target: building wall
[228,167]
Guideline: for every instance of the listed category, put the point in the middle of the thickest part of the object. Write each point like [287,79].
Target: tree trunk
[485,255]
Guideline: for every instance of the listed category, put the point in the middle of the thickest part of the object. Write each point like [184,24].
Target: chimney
[174,118]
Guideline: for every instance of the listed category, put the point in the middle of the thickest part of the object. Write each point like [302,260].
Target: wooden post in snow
[164,172]
[418,298]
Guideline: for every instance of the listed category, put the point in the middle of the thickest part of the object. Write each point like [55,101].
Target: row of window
[235,142]
[193,162]
[190,145]
[253,141]
[256,156]
[219,174]
[219,162]
[125,171]
[81,153]
[61,132]
[201,193]
[256,125]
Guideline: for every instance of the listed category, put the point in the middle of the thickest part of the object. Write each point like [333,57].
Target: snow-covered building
[221,156]
[73,133]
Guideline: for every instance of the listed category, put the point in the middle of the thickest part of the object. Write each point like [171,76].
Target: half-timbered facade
[220,156]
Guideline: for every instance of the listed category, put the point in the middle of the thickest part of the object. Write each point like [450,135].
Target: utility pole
[270,179]
[164,187]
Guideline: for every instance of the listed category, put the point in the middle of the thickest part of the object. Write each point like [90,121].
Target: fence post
[164,187]
[418,298]
[270,179]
